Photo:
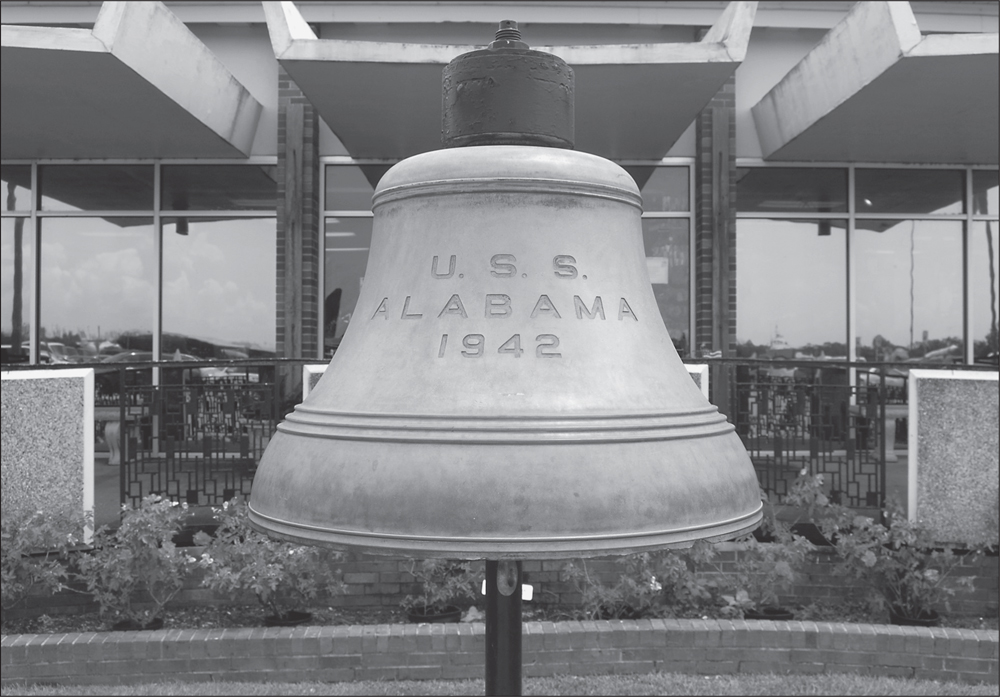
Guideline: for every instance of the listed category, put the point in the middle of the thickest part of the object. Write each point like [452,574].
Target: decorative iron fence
[194,431]
[841,419]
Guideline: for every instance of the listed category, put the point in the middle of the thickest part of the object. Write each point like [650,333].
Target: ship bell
[506,388]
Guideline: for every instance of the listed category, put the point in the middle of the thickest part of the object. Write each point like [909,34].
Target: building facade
[818,178]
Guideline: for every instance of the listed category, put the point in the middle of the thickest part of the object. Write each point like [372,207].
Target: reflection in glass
[350,187]
[219,277]
[96,187]
[663,188]
[16,187]
[909,191]
[984,290]
[16,272]
[908,284]
[97,281]
[347,243]
[984,191]
[791,287]
[791,190]
[219,187]
[667,245]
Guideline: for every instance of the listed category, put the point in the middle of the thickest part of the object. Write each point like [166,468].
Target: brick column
[715,235]
[298,239]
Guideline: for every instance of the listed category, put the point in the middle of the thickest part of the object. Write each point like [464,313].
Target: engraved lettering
[474,344]
[451,267]
[503,265]
[382,309]
[497,305]
[624,309]
[454,306]
[596,309]
[545,306]
[512,346]
[406,314]
[547,341]
[563,266]
[444,342]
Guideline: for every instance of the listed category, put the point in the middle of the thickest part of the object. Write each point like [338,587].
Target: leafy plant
[897,562]
[281,575]
[443,584]
[651,584]
[139,556]
[763,571]
[35,547]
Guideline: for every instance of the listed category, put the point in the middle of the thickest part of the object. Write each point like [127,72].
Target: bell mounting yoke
[507,94]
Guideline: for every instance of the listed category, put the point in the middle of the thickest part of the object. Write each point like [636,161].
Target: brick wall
[390,652]
[297,330]
[715,226]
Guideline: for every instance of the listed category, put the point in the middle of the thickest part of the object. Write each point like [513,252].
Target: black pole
[503,627]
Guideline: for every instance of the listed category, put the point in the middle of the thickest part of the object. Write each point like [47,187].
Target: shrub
[282,576]
[651,584]
[897,562]
[764,571]
[139,556]
[443,583]
[35,547]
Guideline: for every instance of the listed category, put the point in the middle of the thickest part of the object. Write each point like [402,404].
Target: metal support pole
[503,627]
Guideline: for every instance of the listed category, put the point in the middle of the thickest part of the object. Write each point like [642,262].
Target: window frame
[852,216]
[34,215]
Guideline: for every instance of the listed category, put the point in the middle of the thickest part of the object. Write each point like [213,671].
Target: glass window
[984,290]
[791,287]
[909,191]
[219,277]
[908,283]
[347,243]
[350,187]
[791,190]
[663,188]
[984,191]
[97,281]
[219,187]
[16,187]
[667,246]
[96,187]
[16,273]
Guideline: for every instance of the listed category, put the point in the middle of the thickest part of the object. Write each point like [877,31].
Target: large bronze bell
[506,388]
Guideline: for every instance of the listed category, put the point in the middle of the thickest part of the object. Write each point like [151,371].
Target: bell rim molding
[551,547]
[315,422]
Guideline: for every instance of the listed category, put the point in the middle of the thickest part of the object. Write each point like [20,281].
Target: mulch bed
[236,616]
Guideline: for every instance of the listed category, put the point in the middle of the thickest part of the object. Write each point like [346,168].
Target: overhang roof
[633,101]
[138,85]
[876,90]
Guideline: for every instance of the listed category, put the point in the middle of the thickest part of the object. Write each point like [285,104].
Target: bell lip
[519,168]
[540,548]
[312,422]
